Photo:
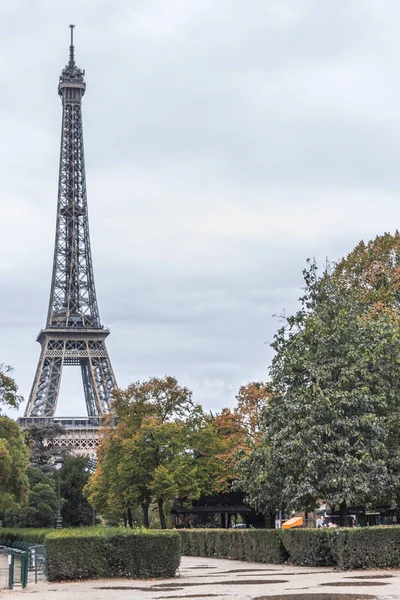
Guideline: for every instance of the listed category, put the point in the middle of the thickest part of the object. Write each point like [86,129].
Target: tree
[35,476]
[13,464]
[148,455]
[331,423]
[251,402]
[232,434]
[231,439]
[373,269]
[9,396]
[159,463]
[105,490]
[40,512]
[74,475]
[42,443]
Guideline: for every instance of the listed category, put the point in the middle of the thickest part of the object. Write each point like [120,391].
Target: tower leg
[105,380]
[98,379]
[43,398]
[89,388]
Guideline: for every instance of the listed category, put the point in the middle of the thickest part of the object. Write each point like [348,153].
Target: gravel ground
[225,580]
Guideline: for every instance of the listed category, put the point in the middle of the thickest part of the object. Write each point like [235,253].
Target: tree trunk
[145,509]
[125,520]
[343,514]
[160,504]
[270,520]
[130,519]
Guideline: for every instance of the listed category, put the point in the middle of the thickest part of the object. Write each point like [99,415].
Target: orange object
[294,522]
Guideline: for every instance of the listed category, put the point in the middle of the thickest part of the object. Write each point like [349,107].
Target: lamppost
[59,461]
[90,468]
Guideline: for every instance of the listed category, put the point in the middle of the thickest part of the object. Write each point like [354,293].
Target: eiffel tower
[73,334]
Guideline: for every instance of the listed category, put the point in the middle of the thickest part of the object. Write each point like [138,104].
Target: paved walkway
[224,580]
[3,571]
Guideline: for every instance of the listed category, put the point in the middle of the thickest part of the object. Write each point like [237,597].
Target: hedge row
[11,536]
[100,552]
[359,548]
[97,552]
[367,548]
[252,545]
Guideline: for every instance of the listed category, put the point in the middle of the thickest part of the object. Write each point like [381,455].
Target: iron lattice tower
[73,334]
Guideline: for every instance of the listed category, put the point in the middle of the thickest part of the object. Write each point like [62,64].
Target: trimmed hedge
[347,548]
[251,545]
[10,536]
[100,552]
[310,547]
[367,548]
[97,552]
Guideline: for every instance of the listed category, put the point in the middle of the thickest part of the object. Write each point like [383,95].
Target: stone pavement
[225,580]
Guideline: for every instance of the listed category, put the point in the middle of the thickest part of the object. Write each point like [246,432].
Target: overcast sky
[226,141]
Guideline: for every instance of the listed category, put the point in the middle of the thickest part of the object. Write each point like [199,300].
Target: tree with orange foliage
[230,437]
[150,455]
[237,431]
[373,269]
[252,399]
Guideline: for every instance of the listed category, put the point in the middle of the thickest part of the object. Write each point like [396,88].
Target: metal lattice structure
[73,334]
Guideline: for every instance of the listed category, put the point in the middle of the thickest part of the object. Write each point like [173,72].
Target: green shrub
[99,552]
[309,547]
[9,536]
[252,545]
[367,547]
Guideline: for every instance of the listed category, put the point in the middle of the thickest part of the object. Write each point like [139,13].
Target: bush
[100,552]
[310,547]
[367,548]
[10,536]
[258,545]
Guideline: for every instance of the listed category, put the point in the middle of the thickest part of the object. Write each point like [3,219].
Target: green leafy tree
[331,422]
[74,475]
[106,490]
[40,512]
[35,476]
[41,440]
[159,463]
[149,456]
[163,487]
[13,464]
[9,396]
[43,503]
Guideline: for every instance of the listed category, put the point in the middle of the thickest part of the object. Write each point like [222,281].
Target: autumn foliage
[165,447]
[373,270]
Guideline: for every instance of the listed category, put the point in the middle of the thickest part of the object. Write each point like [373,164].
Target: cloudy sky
[226,141]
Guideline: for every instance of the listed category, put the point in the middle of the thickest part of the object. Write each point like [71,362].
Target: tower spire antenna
[71,48]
